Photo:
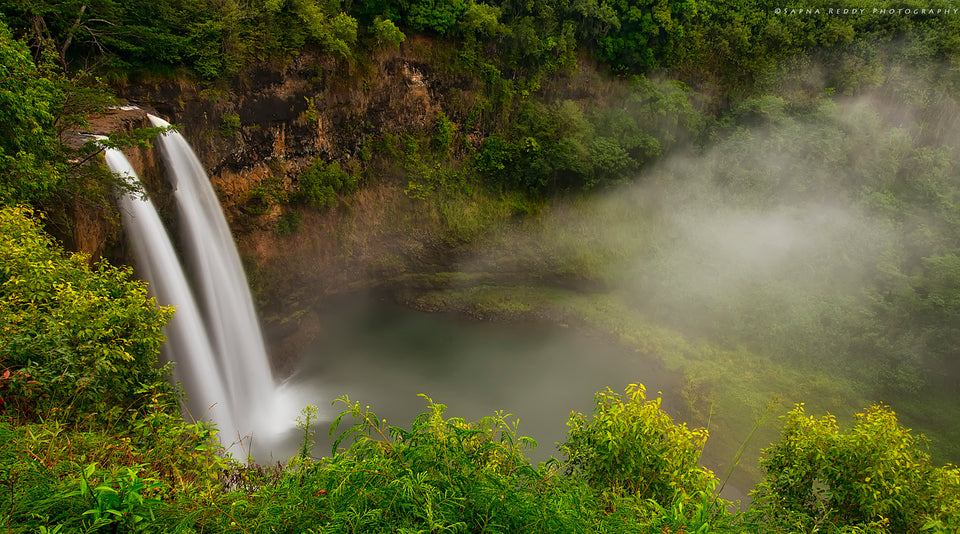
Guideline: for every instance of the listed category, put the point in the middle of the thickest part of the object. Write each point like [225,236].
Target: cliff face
[257,134]
[255,137]
[90,226]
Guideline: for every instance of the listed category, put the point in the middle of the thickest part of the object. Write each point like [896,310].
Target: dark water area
[384,355]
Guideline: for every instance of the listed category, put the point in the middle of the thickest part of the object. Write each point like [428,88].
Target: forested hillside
[764,198]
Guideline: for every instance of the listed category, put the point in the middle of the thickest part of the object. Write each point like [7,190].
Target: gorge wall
[257,135]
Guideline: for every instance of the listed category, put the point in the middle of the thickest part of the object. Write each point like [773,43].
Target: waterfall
[214,338]
[219,279]
[158,264]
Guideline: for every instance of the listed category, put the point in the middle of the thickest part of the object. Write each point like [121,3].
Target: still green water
[384,355]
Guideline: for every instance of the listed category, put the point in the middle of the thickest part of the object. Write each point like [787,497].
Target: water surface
[384,355]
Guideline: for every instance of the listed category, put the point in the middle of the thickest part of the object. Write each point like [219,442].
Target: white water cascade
[228,312]
[214,338]
[158,264]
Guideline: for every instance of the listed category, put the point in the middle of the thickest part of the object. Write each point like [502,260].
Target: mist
[782,262]
[800,252]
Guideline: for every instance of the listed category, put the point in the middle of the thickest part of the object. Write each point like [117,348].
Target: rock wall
[93,227]
[256,134]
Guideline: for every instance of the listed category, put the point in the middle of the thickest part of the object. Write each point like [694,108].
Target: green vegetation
[78,344]
[629,468]
[28,167]
[793,232]
[872,475]
[229,124]
[320,184]
[632,448]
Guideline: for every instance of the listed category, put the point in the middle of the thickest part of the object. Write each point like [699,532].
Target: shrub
[289,223]
[321,182]
[495,157]
[874,476]
[74,341]
[632,447]
[439,475]
[229,124]
[444,130]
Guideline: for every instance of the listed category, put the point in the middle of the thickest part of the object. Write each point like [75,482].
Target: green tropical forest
[761,201]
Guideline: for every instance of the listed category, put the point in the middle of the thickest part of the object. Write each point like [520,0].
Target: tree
[386,33]
[70,29]
[434,15]
[29,103]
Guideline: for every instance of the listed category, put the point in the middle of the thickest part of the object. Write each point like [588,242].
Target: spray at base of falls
[214,340]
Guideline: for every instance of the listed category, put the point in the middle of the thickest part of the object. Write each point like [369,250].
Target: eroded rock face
[92,228]
[256,136]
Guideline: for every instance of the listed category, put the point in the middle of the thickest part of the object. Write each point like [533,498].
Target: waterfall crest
[158,264]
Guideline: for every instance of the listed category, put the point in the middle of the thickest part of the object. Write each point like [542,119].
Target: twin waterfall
[214,337]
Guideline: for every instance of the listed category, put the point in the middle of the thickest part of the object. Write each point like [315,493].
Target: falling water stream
[225,299]
[186,335]
[214,338]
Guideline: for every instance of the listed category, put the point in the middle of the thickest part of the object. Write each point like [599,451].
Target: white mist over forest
[767,266]
[738,278]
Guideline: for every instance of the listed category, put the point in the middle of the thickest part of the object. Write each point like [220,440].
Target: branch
[70,34]
[42,35]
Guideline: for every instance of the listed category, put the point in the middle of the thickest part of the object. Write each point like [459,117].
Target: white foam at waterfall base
[186,339]
[261,412]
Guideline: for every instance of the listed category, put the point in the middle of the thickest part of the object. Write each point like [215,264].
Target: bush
[439,475]
[443,132]
[74,341]
[872,477]
[229,124]
[632,447]
[65,479]
[321,182]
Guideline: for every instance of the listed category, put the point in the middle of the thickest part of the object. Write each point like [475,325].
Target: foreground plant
[75,342]
[874,477]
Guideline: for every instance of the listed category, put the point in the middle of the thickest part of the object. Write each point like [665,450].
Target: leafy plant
[76,341]
[229,124]
[632,447]
[872,476]
[320,184]
[119,502]
[386,33]
[29,100]
[443,132]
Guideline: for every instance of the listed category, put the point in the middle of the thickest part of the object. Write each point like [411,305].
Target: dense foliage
[875,475]
[451,475]
[90,439]
[74,342]
[633,448]
[28,102]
